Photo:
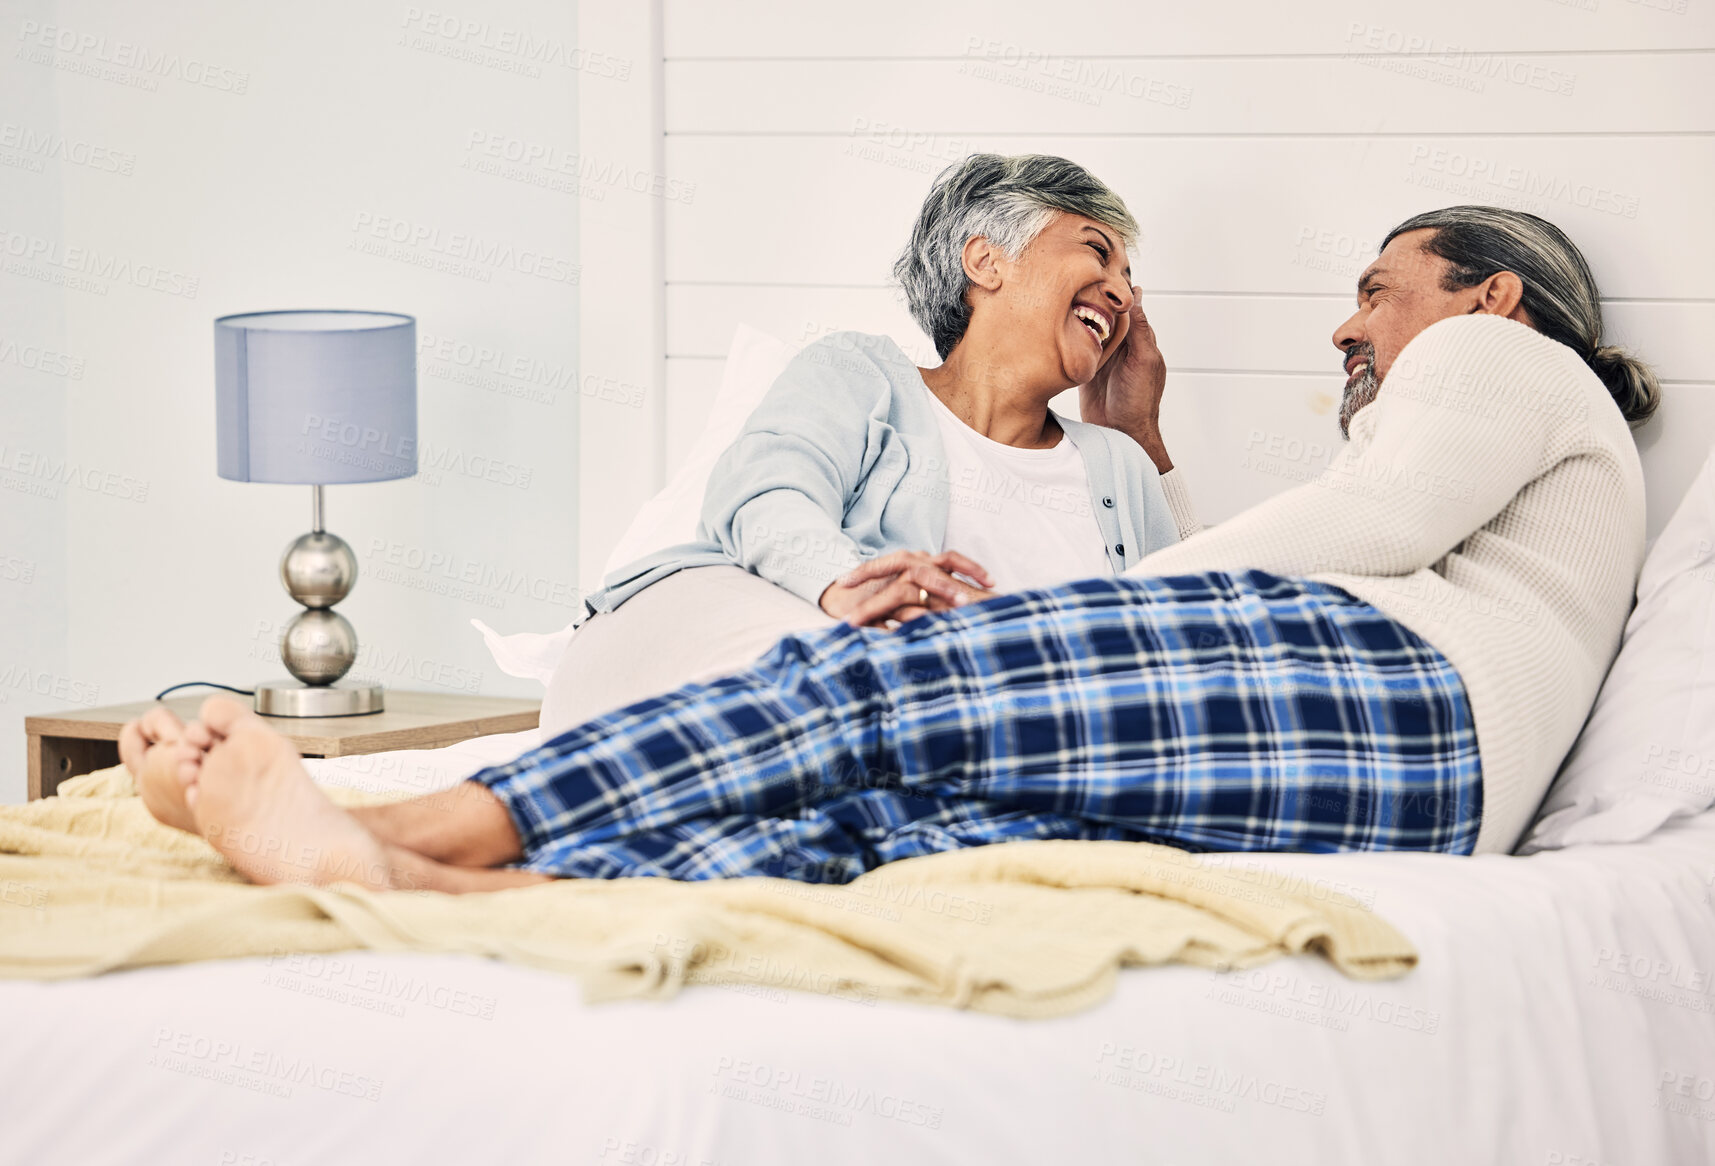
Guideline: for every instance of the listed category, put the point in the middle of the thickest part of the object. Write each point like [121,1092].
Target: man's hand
[902,586]
[1125,394]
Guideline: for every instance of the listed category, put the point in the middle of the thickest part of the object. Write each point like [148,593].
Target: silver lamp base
[289,698]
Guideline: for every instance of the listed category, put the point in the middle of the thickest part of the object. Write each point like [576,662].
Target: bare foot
[165,760]
[259,808]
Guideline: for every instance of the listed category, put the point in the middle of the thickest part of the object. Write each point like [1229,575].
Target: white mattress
[1564,1012]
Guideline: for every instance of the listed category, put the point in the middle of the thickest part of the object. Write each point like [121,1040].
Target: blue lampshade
[316,397]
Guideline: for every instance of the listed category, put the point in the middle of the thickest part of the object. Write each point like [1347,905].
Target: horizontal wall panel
[1240,333]
[946,28]
[928,107]
[1264,215]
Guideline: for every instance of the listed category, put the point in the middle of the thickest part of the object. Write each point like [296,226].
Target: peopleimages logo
[463,246]
[43,474]
[47,259]
[16,570]
[401,562]
[37,683]
[530,49]
[39,359]
[232,1062]
[600,174]
[1086,82]
[88,47]
[35,144]
[1373,44]
[512,374]
[1465,174]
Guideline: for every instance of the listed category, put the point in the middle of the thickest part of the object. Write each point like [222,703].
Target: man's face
[1399,295]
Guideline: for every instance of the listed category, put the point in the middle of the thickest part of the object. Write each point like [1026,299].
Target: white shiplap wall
[1265,148]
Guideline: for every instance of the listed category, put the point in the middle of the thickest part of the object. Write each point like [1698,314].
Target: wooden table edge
[39,729]
[434,736]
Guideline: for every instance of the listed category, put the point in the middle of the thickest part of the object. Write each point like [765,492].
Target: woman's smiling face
[1068,294]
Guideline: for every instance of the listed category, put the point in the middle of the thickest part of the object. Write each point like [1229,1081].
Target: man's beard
[1361,391]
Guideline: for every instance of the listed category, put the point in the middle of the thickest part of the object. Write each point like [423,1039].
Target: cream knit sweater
[1491,500]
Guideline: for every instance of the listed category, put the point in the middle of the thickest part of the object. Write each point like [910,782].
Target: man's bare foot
[257,805]
[164,759]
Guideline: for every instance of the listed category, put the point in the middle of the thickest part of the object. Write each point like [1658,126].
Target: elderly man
[1394,655]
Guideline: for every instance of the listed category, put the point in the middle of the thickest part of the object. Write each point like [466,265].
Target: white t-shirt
[1024,514]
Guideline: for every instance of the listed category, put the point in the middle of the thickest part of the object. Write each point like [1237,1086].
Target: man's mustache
[1364,354]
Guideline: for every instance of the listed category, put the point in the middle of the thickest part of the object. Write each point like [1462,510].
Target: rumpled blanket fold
[90,883]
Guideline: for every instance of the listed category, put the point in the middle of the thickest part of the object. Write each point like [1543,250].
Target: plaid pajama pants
[1210,712]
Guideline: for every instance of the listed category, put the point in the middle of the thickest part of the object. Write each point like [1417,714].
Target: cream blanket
[90,883]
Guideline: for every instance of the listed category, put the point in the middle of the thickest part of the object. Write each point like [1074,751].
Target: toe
[132,747]
[221,715]
[161,724]
[187,764]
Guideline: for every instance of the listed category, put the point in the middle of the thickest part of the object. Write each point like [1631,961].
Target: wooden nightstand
[68,744]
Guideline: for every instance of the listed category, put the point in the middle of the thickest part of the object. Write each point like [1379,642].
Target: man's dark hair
[1559,292]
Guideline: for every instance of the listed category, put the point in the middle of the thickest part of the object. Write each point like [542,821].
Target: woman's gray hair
[1006,200]
[1559,291]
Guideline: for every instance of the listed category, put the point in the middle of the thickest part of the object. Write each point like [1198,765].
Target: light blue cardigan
[843,461]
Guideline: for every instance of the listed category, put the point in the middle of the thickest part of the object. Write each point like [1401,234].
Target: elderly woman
[940,485]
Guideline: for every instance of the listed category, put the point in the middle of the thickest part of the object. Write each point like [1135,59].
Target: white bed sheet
[1563,1013]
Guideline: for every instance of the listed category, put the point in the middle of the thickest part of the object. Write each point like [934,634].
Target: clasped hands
[894,588]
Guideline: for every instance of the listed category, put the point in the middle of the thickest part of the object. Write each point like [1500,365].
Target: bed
[1563,1012]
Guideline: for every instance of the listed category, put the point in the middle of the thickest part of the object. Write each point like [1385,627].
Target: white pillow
[753,363]
[1647,753]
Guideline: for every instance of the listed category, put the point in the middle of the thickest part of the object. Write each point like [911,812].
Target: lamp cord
[205,684]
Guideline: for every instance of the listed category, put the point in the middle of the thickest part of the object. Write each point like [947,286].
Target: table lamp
[316,398]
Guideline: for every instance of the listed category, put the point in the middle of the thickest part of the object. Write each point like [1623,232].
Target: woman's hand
[902,586]
[1125,394]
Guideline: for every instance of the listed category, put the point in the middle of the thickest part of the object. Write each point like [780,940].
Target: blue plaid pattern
[1212,711]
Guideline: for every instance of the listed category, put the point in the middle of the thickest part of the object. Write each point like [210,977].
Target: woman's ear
[981,259]
[1502,294]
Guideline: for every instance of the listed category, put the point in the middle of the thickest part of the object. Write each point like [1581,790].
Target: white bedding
[1564,1012]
